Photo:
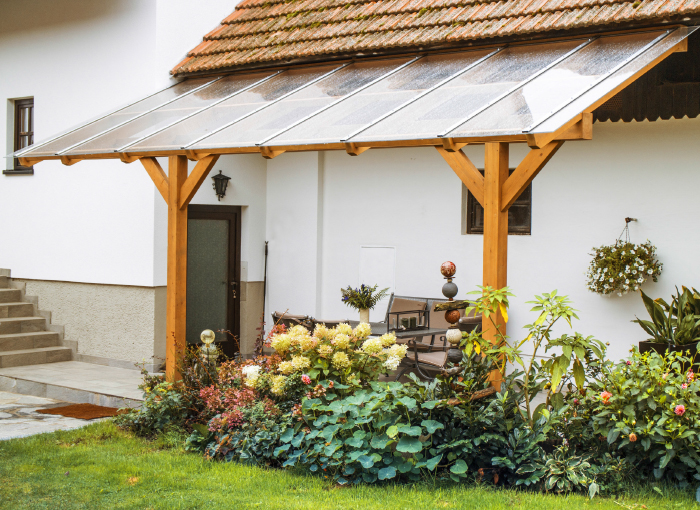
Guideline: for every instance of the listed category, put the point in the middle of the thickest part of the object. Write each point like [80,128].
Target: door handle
[233,284]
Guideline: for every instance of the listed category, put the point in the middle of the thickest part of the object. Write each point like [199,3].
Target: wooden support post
[176,314]
[495,235]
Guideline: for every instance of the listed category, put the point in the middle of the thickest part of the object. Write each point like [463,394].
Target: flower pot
[364,315]
[661,348]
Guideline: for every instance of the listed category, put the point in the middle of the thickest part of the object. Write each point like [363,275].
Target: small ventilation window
[519,214]
[23,133]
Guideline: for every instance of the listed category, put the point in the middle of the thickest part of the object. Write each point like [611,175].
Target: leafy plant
[163,407]
[576,350]
[648,408]
[677,323]
[365,297]
[622,267]
[379,433]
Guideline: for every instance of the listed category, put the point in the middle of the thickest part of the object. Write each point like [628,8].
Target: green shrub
[163,407]
[648,408]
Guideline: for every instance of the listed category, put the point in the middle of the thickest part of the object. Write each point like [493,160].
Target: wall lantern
[220,184]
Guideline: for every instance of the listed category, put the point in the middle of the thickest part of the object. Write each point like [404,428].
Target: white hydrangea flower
[392,362]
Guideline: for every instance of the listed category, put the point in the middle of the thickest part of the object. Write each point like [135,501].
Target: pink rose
[306,379]
[629,362]
[679,410]
[605,396]
[684,385]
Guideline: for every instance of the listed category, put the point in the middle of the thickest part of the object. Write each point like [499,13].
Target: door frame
[232,213]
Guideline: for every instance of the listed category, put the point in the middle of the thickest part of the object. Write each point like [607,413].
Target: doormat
[82,411]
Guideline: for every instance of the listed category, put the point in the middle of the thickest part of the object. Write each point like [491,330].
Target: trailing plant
[677,323]
[648,408]
[622,267]
[365,297]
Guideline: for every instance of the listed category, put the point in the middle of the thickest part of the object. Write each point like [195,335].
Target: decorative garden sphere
[454,336]
[448,269]
[452,316]
[207,336]
[449,290]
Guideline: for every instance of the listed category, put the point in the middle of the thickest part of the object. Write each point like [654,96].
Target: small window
[519,214]
[24,132]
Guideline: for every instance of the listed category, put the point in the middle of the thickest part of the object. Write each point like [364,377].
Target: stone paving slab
[75,381]
[19,416]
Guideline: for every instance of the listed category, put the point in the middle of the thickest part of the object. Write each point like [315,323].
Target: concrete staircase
[27,336]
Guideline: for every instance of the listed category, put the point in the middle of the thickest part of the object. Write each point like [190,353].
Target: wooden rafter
[269,153]
[196,178]
[466,171]
[157,176]
[526,171]
[69,161]
[354,150]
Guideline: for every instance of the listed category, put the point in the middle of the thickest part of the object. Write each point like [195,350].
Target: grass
[101,466]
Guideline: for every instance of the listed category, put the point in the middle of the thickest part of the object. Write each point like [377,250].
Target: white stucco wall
[410,199]
[294,231]
[95,221]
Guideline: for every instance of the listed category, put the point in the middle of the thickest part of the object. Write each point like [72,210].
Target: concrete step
[4,282]
[16,310]
[38,356]
[12,325]
[10,295]
[19,341]
[73,381]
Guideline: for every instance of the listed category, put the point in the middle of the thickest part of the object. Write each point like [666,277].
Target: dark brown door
[213,273]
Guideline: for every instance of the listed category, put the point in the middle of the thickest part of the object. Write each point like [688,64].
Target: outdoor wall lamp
[220,184]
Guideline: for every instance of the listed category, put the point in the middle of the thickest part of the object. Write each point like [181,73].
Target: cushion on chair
[436,358]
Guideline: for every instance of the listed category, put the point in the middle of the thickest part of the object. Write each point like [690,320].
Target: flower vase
[364,315]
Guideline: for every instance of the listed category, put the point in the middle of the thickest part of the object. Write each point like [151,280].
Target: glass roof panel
[124,136]
[347,117]
[537,99]
[442,108]
[570,109]
[219,116]
[480,93]
[116,118]
[262,125]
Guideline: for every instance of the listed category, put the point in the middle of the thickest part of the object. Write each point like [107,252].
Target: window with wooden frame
[23,133]
[519,214]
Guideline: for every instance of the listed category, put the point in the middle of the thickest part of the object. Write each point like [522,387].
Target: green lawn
[103,467]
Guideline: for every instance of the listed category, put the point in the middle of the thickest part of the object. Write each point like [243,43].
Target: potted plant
[674,327]
[363,299]
[622,267]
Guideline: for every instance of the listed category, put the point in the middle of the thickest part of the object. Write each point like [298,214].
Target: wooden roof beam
[155,171]
[466,171]
[196,178]
[525,172]
[579,128]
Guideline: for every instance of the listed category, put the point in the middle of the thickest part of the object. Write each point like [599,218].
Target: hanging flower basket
[623,266]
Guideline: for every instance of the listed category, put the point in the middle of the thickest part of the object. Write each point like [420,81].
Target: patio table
[379,328]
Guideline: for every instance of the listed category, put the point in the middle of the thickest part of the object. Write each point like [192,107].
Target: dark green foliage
[677,323]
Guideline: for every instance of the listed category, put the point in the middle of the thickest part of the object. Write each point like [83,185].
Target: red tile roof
[265,31]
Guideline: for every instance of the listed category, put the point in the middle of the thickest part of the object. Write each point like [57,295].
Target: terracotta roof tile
[261,31]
